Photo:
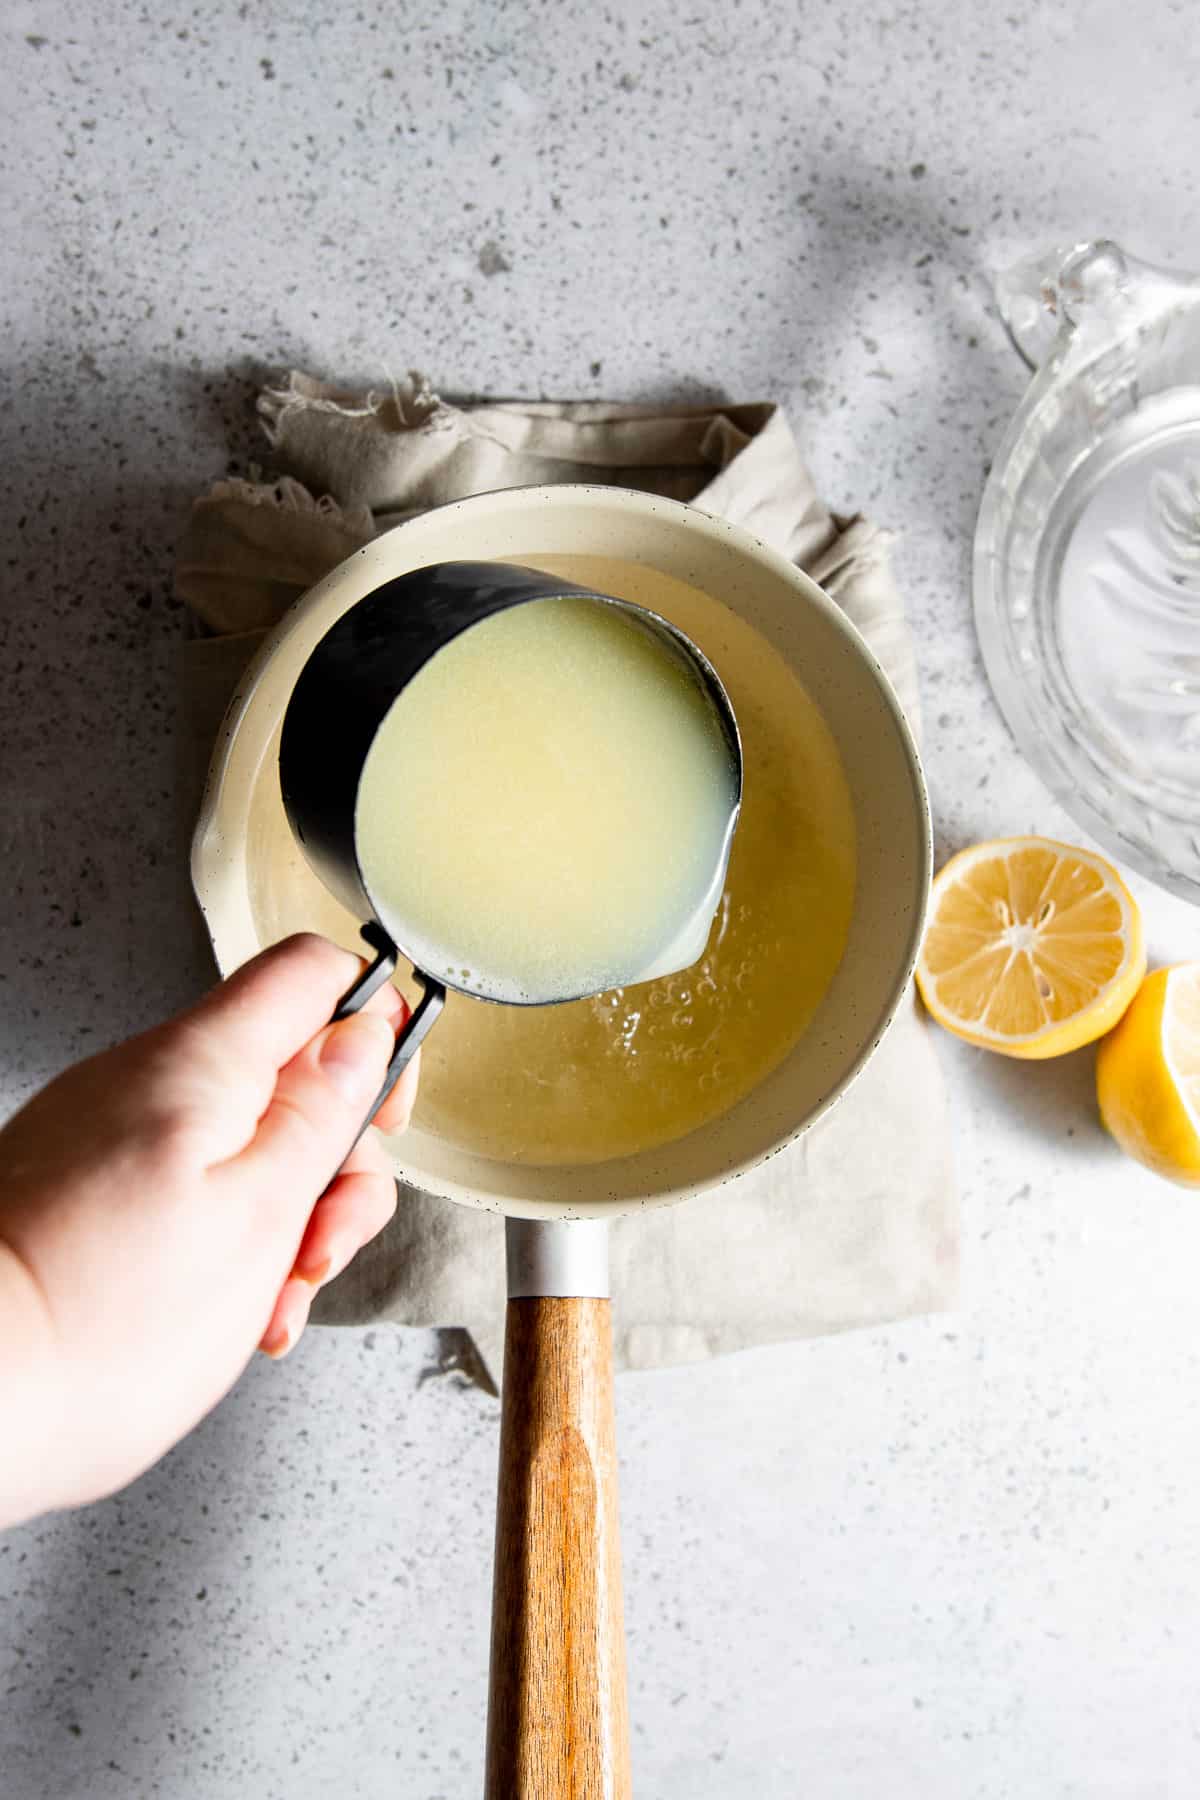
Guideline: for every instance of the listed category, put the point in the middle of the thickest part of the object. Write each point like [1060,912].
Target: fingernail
[291,1316]
[322,1267]
[277,1343]
[314,1272]
[405,1093]
[397,1127]
[354,1056]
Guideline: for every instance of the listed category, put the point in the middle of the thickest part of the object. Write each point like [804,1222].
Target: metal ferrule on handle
[557,1258]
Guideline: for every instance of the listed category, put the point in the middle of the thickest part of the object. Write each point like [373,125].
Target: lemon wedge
[1148,1075]
[1033,947]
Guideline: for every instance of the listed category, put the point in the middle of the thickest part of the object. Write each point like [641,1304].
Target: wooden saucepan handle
[558,1727]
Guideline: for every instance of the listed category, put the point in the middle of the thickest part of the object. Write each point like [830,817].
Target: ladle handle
[558,1726]
[420,1022]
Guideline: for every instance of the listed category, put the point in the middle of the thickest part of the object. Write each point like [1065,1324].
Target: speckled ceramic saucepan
[557,1715]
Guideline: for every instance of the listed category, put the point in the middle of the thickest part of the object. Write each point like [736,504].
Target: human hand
[171,1203]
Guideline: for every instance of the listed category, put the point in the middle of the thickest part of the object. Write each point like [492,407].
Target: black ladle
[346,689]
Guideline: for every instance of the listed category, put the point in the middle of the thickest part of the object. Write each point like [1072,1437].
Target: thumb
[320,1101]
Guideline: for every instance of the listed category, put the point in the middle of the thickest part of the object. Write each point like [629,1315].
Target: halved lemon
[1033,948]
[1148,1075]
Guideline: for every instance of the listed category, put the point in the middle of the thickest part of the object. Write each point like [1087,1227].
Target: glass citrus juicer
[1087,551]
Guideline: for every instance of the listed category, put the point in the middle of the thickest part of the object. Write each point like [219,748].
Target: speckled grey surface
[955,1559]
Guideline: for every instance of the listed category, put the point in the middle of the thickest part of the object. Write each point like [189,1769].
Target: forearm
[31,1448]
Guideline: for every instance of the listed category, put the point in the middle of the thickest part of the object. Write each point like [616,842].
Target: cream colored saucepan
[557,1717]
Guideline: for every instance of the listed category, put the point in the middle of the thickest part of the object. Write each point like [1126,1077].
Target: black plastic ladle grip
[420,1022]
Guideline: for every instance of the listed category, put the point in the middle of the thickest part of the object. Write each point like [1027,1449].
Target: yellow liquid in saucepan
[640,1066]
[544,810]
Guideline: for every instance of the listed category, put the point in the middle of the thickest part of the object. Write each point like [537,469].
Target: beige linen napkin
[854,1224]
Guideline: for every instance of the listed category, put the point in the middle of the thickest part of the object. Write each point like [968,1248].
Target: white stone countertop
[958,1559]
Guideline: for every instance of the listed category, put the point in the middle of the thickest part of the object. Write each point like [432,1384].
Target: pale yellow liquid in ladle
[640,1066]
[544,811]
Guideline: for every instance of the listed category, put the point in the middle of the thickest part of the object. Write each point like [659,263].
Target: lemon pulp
[1033,947]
